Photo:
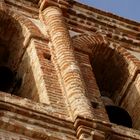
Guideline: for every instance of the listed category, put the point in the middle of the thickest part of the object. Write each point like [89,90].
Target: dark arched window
[111,73]
[16,76]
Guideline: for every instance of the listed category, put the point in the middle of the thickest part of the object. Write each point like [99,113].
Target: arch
[87,42]
[112,66]
[16,31]
[27,28]
[23,21]
[97,45]
[100,52]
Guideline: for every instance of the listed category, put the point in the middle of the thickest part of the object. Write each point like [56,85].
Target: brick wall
[63,77]
[6,135]
[93,92]
[111,70]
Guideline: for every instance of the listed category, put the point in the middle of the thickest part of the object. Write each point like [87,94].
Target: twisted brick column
[64,53]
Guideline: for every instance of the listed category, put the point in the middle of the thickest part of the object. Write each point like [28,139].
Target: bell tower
[68,71]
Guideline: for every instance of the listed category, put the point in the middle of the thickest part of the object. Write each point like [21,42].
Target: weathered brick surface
[6,135]
[32,119]
[93,92]
[63,77]
[70,72]
[50,78]
[131,102]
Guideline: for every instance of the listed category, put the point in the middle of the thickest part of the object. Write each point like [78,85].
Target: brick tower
[67,72]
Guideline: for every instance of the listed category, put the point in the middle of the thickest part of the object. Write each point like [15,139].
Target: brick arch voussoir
[23,21]
[128,56]
[89,41]
[96,41]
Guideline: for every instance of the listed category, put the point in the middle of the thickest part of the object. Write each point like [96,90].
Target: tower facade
[67,72]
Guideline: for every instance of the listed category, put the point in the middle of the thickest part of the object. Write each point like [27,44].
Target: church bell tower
[68,71]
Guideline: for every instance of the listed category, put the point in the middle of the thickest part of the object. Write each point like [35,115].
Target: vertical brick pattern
[70,71]
[88,75]
[50,78]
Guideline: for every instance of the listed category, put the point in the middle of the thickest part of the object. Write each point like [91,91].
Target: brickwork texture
[68,62]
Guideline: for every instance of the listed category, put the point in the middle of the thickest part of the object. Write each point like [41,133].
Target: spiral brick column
[68,66]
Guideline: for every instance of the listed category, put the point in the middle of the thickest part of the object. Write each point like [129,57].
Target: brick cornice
[87,128]
[20,116]
[71,7]
[69,4]
[91,20]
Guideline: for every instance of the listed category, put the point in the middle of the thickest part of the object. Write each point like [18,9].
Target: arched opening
[14,61]
[111,73]
[110,70]
[114,74]
[118,116]
[11,44]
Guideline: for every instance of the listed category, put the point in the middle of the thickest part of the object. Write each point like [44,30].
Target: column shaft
[71,75]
